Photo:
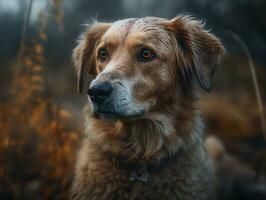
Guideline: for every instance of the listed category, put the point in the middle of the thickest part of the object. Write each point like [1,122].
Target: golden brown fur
[169,131]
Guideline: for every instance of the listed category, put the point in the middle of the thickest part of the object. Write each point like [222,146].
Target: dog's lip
[120,115]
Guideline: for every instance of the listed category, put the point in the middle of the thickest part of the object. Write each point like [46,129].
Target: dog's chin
[112,116]
[106,116]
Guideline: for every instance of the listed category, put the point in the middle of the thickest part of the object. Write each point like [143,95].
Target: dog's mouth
[114,116]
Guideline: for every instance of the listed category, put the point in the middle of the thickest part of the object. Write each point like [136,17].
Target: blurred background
[41,111]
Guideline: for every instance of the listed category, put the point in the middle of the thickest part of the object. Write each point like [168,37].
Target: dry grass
[235,119]
[37,147]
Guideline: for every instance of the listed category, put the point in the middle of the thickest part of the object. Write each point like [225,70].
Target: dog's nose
[100,91]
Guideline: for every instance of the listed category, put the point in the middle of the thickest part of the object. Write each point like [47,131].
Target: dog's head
[140,64]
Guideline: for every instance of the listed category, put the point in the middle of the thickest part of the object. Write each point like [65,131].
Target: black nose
[100,91]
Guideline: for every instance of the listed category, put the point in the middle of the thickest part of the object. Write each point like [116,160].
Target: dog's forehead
[122,28]
[125,23]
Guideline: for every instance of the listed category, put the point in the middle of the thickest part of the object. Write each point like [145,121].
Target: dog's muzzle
[112,100]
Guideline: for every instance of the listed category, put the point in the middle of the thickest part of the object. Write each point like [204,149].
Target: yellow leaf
[64,113]
[37,68]
[73,136]
[37,78]
[38,48]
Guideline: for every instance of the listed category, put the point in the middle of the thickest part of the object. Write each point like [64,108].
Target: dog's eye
[145,55]
[102,54]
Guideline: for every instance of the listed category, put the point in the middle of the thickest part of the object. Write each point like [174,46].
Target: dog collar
[139,170]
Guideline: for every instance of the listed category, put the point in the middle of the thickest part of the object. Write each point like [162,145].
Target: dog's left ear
[83,58]
[198,51]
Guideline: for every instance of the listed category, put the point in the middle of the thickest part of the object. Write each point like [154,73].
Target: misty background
[244,17]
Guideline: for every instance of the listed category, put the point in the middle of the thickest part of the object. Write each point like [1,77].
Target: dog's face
[139,64]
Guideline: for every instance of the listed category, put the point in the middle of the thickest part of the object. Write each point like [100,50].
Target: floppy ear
[83,58]
[198,51]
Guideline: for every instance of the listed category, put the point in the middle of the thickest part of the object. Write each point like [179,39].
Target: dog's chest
[101,179]
[168,184]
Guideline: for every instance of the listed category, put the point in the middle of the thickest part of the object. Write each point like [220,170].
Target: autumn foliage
[36,146]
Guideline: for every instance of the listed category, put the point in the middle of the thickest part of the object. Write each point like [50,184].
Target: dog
[144,135]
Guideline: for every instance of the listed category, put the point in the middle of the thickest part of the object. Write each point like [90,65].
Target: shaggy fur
[166,139]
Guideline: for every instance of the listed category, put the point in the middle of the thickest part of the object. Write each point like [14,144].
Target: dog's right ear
[83,58]
[198,51]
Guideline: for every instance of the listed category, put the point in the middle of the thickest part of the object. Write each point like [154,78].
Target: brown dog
[144,135]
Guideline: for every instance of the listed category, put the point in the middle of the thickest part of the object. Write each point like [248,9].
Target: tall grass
[36,146]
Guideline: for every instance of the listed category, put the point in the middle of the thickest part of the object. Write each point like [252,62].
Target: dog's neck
[150,139]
